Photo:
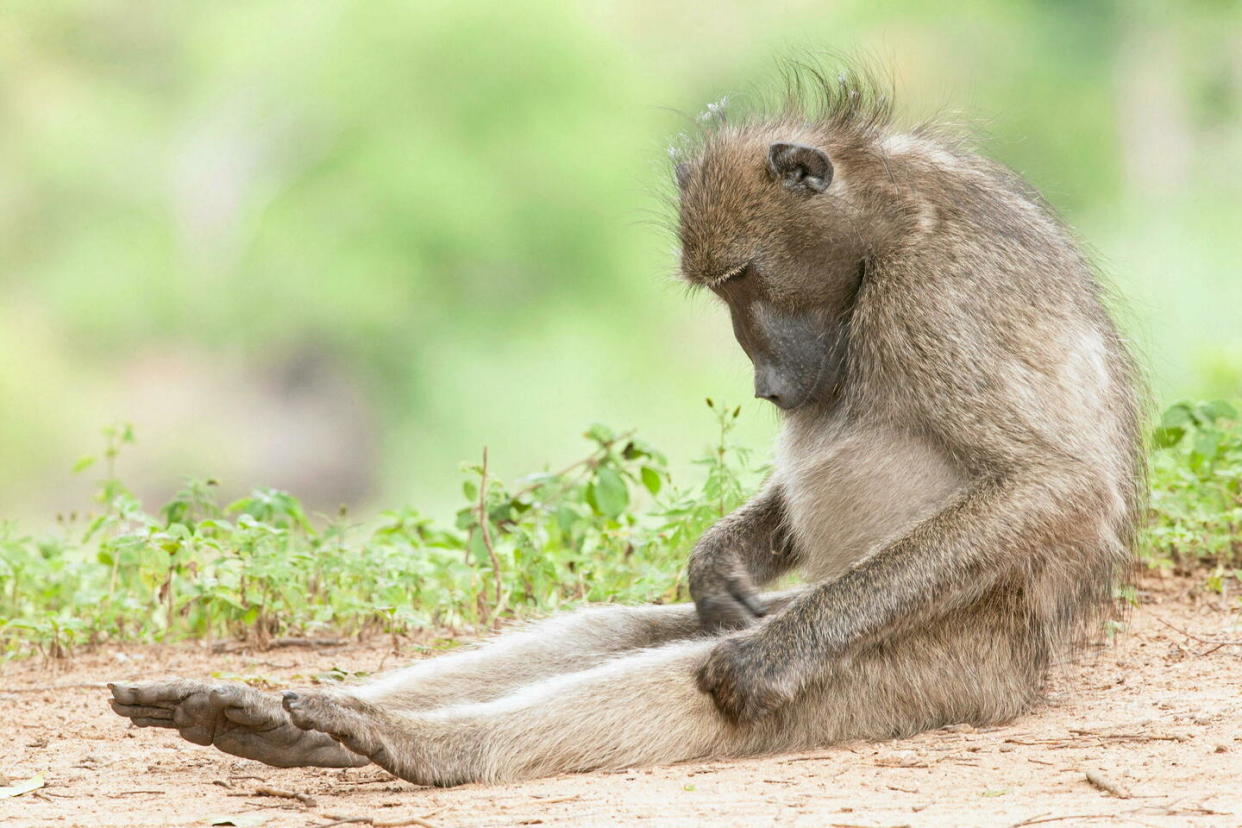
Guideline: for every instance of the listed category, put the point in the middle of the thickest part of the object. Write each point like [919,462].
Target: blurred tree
[455,205]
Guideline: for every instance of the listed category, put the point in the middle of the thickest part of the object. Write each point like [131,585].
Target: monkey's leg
[566,643]
[639,708]
[643,708]
[247,723]
[236,719]
[250,724]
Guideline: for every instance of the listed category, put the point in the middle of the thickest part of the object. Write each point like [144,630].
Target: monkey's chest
[849,495]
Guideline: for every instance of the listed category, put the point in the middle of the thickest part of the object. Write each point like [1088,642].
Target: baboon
[958,480]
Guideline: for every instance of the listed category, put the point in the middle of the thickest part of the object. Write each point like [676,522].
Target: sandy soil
[1156,716]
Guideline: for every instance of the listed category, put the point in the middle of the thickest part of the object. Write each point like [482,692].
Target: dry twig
[1041,819]
[1214,644]
[343,821]
[419,821]
[268,790]
[1107,785]
[1133,737]
[81,685]
[277,643]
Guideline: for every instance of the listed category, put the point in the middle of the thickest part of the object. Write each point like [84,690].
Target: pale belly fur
[848,494]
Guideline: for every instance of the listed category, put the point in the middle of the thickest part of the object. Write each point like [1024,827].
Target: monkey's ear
[800,167]
[683,175]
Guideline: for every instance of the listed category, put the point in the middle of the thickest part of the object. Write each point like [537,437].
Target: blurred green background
[338,247]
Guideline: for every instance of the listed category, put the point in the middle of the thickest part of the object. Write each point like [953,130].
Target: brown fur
[959,479]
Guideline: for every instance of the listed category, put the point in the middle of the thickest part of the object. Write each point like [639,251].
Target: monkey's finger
[145,722]
[156,692]
[197,708]
[123,693]
[254,718]
[249,708]
[198,731]
[747,599]
[136,711]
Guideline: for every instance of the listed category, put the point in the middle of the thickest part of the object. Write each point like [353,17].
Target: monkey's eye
[731,273]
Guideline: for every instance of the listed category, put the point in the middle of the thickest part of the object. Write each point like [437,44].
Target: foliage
[1196,502]
[610,527]
[432,195]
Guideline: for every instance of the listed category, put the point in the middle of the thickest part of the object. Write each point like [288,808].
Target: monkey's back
[981,348]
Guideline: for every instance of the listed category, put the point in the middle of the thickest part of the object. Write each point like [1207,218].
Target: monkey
[958,480]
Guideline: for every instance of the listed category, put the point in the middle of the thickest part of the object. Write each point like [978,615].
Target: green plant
[609,527]
[1196,501]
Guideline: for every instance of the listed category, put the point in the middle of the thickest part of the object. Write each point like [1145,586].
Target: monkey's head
[774,222]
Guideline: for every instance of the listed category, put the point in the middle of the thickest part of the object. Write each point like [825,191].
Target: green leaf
[469,490]
[1168,436]
[611,493]
[566,518]
[600,433]
[1219,410]
[1206,443]
[1178,414]
[478,550]
[83,464]
[651,479]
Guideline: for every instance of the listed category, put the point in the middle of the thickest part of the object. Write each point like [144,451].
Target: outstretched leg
[247,723]
[644,708]
[566,643]
[636,709]
[563,644]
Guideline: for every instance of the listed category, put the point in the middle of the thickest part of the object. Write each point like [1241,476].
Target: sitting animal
[958,480]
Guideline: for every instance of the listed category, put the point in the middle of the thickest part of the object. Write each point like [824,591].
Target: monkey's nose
[768,386]
[770,396]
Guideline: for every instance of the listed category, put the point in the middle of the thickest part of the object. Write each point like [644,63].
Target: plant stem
[487,535]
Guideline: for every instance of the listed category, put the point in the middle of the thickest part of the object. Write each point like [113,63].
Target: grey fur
[959,479]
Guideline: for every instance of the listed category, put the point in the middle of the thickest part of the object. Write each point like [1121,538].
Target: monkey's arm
[742,552]
[945,563]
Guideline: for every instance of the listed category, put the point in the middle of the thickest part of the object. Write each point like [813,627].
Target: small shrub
[1196,501]
[610,527]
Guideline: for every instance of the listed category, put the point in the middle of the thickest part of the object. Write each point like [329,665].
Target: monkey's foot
[236,719]
[359,726]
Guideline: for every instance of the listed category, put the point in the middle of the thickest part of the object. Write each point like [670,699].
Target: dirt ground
[1155,718]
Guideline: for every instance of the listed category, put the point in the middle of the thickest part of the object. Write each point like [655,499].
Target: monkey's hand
[744,681]
[724,595]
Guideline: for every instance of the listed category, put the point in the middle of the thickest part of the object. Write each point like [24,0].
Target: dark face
[769,229]
[798,353]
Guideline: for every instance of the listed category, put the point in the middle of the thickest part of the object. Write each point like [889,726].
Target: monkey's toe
[236,719]
[345,720]
[153,704]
